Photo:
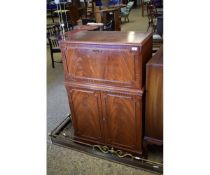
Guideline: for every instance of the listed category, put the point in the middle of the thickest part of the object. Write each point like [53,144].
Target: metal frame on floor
[60,138]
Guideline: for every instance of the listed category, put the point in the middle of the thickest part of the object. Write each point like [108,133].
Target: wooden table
[101,17]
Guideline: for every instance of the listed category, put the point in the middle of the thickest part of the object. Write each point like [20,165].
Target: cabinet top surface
[107,37]
[157,59]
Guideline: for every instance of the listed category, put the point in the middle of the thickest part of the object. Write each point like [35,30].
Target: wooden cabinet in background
[154,100]
[105,78]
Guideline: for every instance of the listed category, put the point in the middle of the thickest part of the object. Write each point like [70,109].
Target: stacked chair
[53,36]
[125,11]
[155,25]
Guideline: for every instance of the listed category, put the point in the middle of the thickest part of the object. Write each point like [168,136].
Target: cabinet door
[123,120]
[115,66]
[86,113]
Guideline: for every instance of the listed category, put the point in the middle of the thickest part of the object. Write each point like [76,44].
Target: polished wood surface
[98,57]
[117,66]
[86,62]
[85,106]
[111,37]
[154,99]
[104,77]
[123,120]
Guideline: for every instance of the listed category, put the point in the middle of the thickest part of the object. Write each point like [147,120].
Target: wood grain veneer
[154,99]
[105,77]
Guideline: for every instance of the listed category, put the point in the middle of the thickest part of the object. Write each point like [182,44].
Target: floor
[63,161]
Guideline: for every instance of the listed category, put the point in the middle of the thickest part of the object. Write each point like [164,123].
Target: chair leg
[52,59]
[148,27]
[128,18]
[51,15]
[142,8]
[155,28]
[53,19]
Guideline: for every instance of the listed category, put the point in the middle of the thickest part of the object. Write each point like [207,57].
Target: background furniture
[103,16]
[126,10]
[107,11]
[53,34]
[71,11]
[154,100]
[104,79]
[90,8]
[157,34]
[54,48]
[102,27]
[86,20]
[160,25]
[144,5]
[157,3]
[81,6]
[157,42]
[51,7]
[108,26]
[152,17]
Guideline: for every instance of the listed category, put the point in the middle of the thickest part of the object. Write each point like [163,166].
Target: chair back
[68,26]
[126,10]
[53,30]
[157,3]
[53,42]
[152,16]
[130,5]
[151,12]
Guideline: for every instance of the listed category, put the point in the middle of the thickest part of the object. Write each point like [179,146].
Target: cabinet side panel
[146,55]
[154,102]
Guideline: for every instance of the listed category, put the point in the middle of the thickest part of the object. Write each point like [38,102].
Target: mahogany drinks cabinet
[105,78]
